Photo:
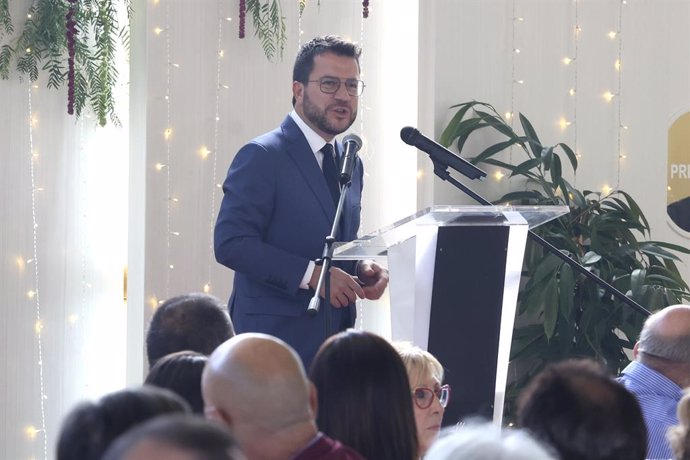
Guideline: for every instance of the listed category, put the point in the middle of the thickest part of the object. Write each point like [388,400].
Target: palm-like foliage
[561,313]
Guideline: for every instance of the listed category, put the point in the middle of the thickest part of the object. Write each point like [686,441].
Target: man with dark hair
[279,204]
[175,437]
[255,385]
[584,414]
[190,322]
[659,373]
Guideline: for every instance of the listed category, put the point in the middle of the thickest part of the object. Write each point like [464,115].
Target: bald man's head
[259,381]
[666,334]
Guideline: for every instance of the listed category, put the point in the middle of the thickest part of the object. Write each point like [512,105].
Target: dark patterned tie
[330,172]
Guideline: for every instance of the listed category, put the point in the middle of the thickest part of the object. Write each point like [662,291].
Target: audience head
[484,441]
[175,437]
[364,396]
[90,428]
[664,343]
[180,373]
[584,414]
[196,322]
[679,435]
[256,385]
[429,397]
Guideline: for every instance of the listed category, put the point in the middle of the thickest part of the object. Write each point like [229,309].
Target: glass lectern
[455,274]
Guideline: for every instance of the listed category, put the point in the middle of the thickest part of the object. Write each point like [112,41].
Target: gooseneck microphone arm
[440,154]
[441,170]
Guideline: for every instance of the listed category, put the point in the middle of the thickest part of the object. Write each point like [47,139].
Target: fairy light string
[35,293]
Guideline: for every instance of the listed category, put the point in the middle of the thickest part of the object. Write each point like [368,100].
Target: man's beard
[320,120]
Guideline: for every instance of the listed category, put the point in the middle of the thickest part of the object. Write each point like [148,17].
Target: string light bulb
[30,432]
[567,60]
[612,34]
[207,287]
[498,175]
[157,30]
[159,166]
[563,123]
[38,326]
[606,189]
[167,134]
[608,96]
[204,152]
[572,91]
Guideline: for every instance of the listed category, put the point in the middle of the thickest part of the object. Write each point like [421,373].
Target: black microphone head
[408,134]
[353,138]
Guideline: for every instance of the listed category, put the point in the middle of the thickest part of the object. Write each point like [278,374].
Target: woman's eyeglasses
[423,397]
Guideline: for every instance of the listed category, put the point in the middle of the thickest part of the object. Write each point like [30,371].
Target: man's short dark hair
[191,434]
[195,322]
[577,408]
[304,62]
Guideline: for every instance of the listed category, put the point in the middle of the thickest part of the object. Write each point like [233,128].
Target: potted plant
[561,313]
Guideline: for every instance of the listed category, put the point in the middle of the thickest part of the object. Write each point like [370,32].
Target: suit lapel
[298,149]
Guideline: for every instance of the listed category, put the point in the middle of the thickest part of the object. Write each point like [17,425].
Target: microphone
[352,144]
[439,153]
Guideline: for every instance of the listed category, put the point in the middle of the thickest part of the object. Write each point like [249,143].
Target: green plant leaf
[637,282]
[523,168]
[496,122]
[673,247]
[450,133]
[571,155]
[532,138]
[651,249]
[555,168]
[590,258]
[494,149]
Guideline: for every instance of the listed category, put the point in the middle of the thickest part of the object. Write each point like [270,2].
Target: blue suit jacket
[274,217]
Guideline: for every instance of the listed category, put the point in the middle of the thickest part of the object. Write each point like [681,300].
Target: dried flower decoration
[243,12]
[71,33]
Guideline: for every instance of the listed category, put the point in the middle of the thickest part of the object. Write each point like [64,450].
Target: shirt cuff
[307,275]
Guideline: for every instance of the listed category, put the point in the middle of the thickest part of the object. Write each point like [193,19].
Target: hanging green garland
[75,42]
[87,65]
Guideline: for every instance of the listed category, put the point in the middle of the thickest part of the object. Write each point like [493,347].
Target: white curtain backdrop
[144,196]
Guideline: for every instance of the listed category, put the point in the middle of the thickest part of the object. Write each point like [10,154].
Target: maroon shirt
[323,447]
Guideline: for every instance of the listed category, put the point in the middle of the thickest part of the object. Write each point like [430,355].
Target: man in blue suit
[278,207]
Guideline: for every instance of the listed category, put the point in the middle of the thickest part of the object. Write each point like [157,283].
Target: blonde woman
[679,435]
[429,396]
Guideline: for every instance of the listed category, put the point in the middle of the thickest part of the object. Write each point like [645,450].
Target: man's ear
[297,90]
[218,415]
[636,350]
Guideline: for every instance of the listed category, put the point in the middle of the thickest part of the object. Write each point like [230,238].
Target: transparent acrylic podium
[454,279]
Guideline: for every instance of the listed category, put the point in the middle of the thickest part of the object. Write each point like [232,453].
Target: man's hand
[373,277]
[344,288]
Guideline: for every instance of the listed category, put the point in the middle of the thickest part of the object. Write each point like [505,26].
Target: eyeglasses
[423,396]
[331,85]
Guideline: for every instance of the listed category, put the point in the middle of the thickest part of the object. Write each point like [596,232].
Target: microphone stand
[326,259]
[441,170]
